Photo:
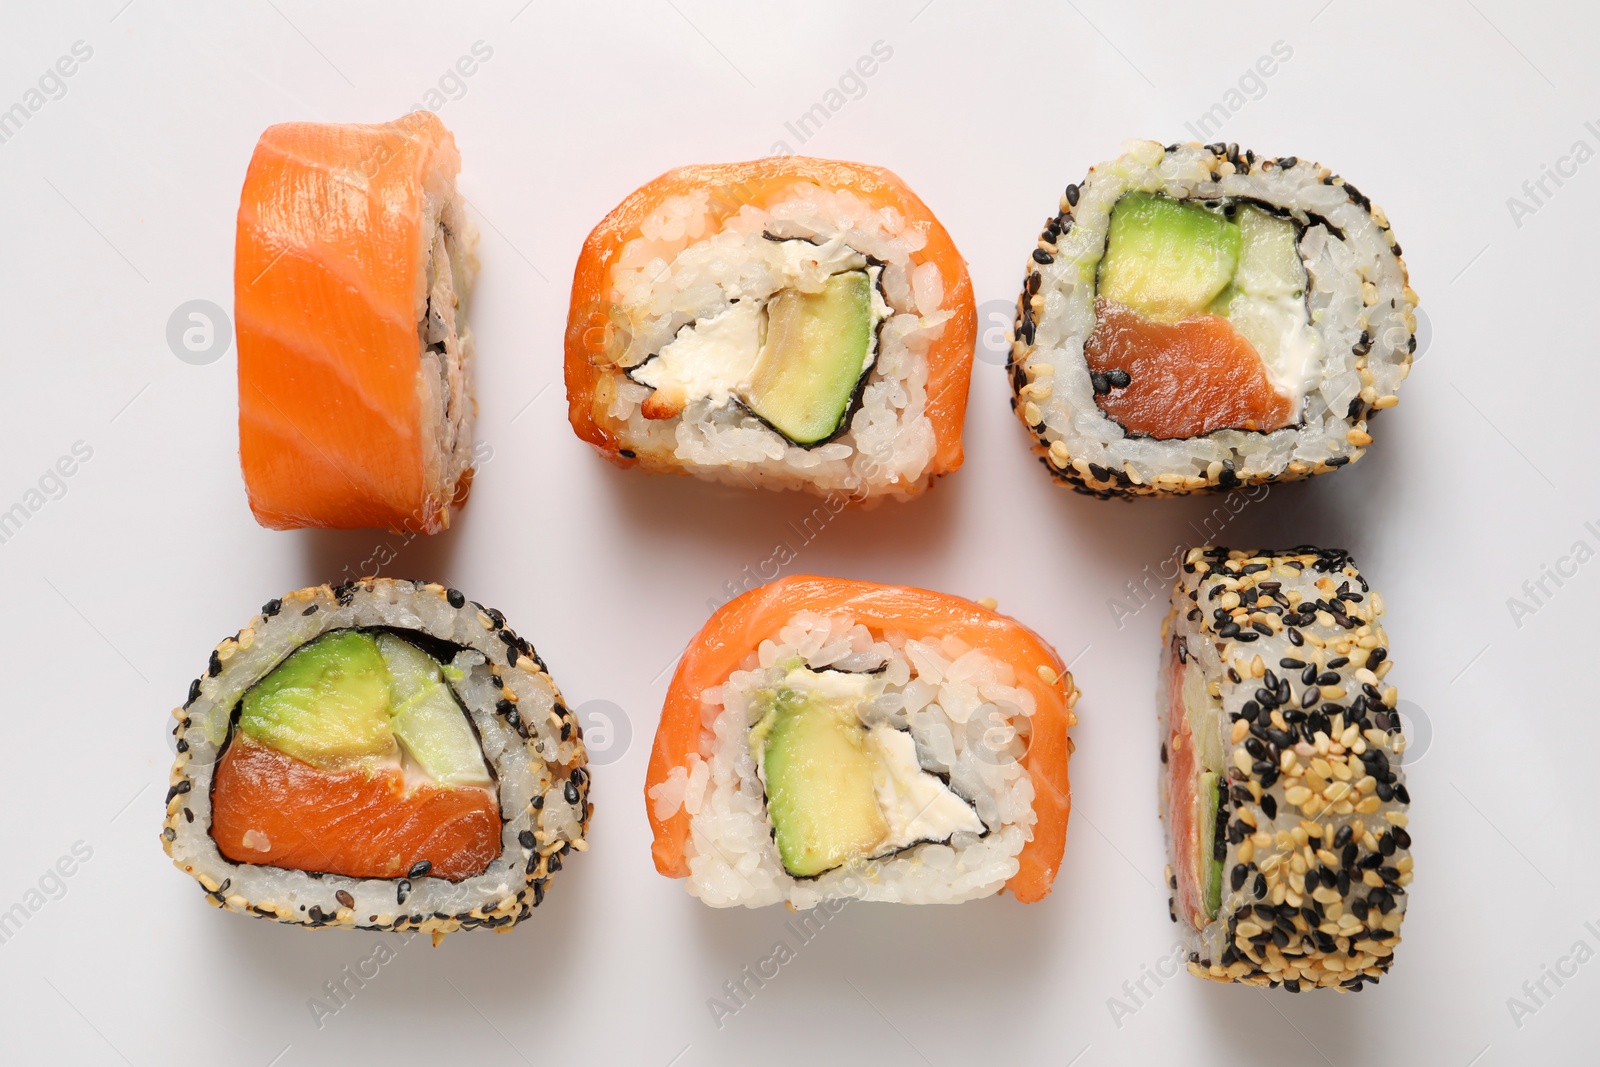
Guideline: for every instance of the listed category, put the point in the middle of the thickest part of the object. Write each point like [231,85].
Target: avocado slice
[819,774]
[327,704]
[1166,258]
[1210,863]
[818,347]
[427,718]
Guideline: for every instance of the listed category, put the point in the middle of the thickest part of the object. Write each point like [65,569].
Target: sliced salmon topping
[1185,379]
[271,809]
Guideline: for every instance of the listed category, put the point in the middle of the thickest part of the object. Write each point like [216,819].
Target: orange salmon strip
[330,282]
[760,182]
[1188,378]
[744,622]
[271,809]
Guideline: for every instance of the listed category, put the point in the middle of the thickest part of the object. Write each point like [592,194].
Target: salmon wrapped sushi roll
[352,262]
[1197,317]
[826,739]
[1282,793]
[385,755]
[788,323]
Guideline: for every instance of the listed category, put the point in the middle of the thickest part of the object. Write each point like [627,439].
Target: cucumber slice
[327,704]
[1165,258]
[1209,799]
[428,720]
[817,349]
[1269,258]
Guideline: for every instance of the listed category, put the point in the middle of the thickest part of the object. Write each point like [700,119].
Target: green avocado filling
[819,775]
[816,351]
[1168,259]
[353,696]
[839,791]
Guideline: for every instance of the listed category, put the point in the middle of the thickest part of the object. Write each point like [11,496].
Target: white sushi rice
[448,406]
[685,267]
[1357,284]
[524,769]
[968,719]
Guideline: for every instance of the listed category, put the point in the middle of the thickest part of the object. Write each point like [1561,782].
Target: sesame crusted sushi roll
[1281,788]
[826,739]
[384,755]
[1196,317]
[788,323]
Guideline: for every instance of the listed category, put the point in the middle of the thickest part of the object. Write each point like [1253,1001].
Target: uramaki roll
[1199,317]
[353,258]
[386,755]
[1281,788]
[827,739]
[788,323]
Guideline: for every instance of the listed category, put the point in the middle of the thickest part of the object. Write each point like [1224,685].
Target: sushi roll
[1281,788]
[826,739]
[383,755]
[788,323]
[1197,317]
[352,262]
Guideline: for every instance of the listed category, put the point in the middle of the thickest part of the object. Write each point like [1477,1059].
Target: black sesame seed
[1041,256]
[1228,629]
[456,598]
[1309,697]
[1237,877]
[627,453]
[194,692]
[1119,379]
[1269,805]
[526,839]
[1295,638]
[1072,195]
[1290,663]
[271,608]
[420,869]
[538,802]
[312,610]
[1260,887]
[402,890]
[571,792]
[214,666]
[343,897]
[1261,628]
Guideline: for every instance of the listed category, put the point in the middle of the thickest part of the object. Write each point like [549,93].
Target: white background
[119,207]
